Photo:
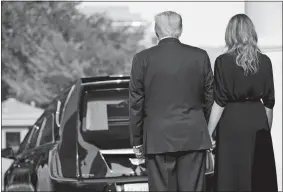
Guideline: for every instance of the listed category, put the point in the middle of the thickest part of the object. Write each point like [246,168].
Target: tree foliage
[47,45]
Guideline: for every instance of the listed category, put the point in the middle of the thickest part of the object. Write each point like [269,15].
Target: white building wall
[23,131]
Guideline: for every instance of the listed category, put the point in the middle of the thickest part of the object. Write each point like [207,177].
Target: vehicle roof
[85,80]
[104,78]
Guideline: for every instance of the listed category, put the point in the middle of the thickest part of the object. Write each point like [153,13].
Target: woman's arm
[220,97]
[268,94]
[269,114]
[215,115]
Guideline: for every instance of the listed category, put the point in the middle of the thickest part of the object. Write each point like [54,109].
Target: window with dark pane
[13,140]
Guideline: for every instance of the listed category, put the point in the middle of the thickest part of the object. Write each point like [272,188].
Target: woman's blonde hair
[241,38]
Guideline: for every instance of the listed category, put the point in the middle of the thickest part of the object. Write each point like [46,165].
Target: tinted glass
[24,144]
[106,119]
[34,136]
[64,99]
[46,130]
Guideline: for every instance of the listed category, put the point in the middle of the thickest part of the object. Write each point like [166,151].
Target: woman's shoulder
[263,57]
[225,58]
[264,62]
[231,57]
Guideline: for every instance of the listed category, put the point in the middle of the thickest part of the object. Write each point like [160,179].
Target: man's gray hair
[168,23]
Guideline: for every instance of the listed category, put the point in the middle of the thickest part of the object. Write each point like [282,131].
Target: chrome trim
[64,109]
[78,127]
[209,173]
[118,81]
[78,168]
[118,75]
[57,114]
[110,89]
[123,179]
[43,123]
[116,151]
[41,131]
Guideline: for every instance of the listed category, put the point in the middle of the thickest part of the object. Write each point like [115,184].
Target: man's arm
[136,102]
[208,87]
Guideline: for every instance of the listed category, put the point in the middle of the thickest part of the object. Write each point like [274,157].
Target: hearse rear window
[103,114]
[106,119]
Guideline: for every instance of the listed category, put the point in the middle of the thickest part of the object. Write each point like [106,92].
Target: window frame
[62,112]
[36,126]
[42,129]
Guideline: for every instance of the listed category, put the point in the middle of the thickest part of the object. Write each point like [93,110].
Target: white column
[267,18]
[3,138]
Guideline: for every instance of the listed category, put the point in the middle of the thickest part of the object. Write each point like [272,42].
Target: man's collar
[168,39]
[165,37]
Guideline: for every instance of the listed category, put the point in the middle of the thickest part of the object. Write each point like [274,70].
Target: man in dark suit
[171,94]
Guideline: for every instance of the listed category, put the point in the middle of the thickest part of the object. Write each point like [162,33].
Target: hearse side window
[46,135]
[62,112]
[33,139]
[60,104]
[106,119]
[26,140]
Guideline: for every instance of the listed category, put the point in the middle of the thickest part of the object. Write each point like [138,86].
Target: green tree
[47,45]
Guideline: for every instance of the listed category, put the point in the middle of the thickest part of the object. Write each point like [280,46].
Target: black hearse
[80,142]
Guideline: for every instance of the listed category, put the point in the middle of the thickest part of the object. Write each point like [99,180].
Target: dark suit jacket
[171,95]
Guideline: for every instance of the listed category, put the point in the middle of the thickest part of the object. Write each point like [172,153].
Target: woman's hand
[214,118]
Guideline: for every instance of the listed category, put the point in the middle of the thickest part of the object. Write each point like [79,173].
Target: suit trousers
[176,171]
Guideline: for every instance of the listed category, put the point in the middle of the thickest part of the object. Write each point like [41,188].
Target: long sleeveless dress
[244,153]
